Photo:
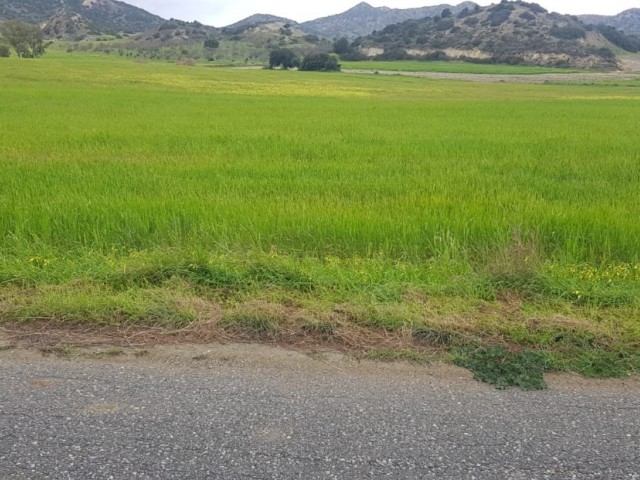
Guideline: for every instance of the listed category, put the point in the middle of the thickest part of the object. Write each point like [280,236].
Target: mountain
[364,19]
[260,19]
[627,21]
[73,16]
[269,34]
[509,32]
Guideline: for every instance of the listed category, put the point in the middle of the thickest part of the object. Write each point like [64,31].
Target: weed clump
[503,368]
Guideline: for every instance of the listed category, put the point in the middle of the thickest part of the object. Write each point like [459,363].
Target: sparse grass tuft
[321,328]
[61,351]
[436,337]
[391,355]
[256,324]
[600,363]
[390,318]
[109,352]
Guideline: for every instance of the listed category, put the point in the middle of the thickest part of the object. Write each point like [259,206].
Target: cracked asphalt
[254,412]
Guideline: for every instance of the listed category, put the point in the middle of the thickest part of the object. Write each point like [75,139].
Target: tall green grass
[497,222]
[101,154]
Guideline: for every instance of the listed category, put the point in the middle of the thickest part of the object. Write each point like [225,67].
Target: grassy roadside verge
[389,216]
[509,328]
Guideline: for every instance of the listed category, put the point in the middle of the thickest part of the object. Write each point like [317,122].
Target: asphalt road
[252,412]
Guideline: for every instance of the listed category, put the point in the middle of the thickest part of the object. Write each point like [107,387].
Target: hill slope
[364,19]
[508,32]
[627,21]
[260,19]
[100,16]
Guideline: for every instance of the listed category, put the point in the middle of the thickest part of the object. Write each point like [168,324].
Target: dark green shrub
[283,58]
[528,16]
[320,62]
[444,25]
[471,21]
[211,43]
[568,32]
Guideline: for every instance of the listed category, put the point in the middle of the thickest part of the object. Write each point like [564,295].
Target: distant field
[141,193]
[451,67]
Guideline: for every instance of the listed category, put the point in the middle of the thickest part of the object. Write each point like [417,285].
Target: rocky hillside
[66,18]
[364,19]
[509,32]
[627,21]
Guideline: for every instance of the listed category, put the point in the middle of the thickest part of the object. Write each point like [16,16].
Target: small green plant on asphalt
[503,368]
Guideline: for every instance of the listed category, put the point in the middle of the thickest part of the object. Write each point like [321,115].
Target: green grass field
[452,67]
[148,194]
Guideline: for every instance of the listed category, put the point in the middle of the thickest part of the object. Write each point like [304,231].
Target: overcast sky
[224,12]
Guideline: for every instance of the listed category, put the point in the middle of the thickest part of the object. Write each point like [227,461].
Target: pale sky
[224,12]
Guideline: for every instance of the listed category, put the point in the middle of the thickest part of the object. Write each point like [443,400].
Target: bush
[320,62]
[528,16]
[605,52]
[437,56]
[568,32]
[394,53]
[5,51]
[499,16]
[444,25]
[464,13]
[354,55]
[211,43]
[472,21]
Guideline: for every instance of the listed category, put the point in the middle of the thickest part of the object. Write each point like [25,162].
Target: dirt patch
[630,63]
[274,359]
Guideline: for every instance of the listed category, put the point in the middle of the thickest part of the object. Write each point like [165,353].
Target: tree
[27,40]
[211,43]
[5,50]
[341,46]
[347,51]
[284,58]
[320,62]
